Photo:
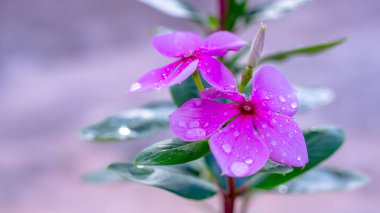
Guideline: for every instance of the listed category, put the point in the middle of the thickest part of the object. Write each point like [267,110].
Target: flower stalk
[254,56]
[198,81]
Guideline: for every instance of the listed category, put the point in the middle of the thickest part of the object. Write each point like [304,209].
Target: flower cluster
[243,132]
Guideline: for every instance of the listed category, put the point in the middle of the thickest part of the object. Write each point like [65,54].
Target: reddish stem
[229,196]
[222,14]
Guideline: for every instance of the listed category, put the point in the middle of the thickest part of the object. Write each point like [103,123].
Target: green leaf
[102,176]
[236,10]
[174,181]
[185,91]
[308,50]
[311,98]
[324,180]
[273,167]
[321,144]
[172,152]
[274,9]
[131,124]
[175,8]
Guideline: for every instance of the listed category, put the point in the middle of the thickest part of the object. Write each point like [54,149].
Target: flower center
[247,108]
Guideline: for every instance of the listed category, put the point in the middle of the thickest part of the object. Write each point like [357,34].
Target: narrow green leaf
[131,124]
[273,167]
[102,176]
[308,50]
[172,152]
[175,8]
[315,97]
[179,183]
[274,9]
[321,144]
[324,180]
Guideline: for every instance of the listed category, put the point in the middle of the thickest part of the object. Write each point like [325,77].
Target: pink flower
[194,53]
[245,133]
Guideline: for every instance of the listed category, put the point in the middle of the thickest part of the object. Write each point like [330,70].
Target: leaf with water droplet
[171,152]
[175,8]
[324,180]
[273,167]
[131,124]
[172,180]
[321,144]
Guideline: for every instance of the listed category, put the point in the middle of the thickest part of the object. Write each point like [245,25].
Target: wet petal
[177,44]
[285,139]
[272,92]
[216,74]
[198,118]
[237,149]
[154,79]
[184,71]
[220,42]
[214,94]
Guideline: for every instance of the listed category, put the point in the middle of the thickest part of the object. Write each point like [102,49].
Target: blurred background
[67,64]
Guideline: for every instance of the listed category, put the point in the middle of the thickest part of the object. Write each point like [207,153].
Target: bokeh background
[67,64]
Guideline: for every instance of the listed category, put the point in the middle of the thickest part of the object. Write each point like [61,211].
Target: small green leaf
[185,91]
[102,176]
[175,8]
[311,98]
[174,181]
[321,144]
[131,124]
[308,50]
[274,9]
[172,152]
[273,167]
[324,180]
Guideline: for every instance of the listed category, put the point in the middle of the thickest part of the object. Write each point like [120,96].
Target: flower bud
[257,47]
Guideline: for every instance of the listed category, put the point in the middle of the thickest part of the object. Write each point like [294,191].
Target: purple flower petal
[154,79]
[272,92]
[284,137]
[237,149]
[214,94]
[177,44]
[216,74]
[197,119]
[220,42]
[184,71]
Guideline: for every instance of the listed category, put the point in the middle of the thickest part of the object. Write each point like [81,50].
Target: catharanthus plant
[235,135]
[245,133]
[193,53]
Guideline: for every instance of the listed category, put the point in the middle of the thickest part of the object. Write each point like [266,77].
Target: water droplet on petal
[225,113]
[282,98]
[239,168]
[135,86]
[194,124]
[299,157]
[195,133]
[227,148]
[248,161]
[236,133]
[264,126]
[273,142]
[274,120]
[182,124]
[293,105]
[198,102]
[206,124]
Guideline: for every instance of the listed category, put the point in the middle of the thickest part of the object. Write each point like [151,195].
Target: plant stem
[247,75]
[198,81]
[222,14]
[230,196]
